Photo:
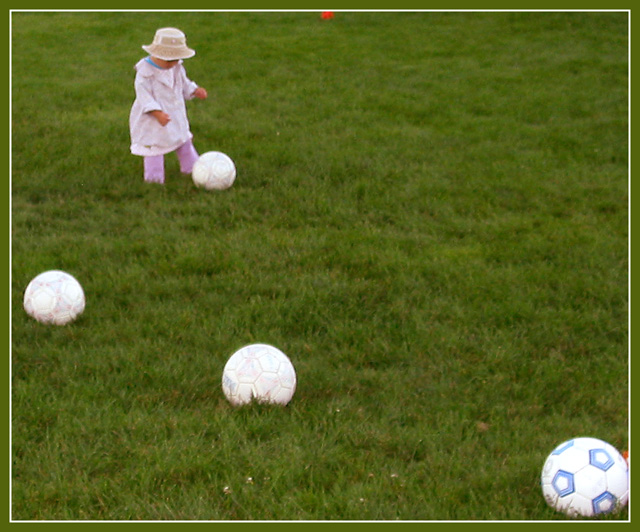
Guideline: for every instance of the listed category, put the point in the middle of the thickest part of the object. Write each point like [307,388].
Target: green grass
[430,218]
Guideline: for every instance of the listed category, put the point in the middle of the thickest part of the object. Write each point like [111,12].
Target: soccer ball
[259,372]
[54,297]
[585,477]
[214,170]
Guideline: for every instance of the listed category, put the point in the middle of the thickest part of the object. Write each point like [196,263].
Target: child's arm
[190,89]
[200,93]
[161,117]
[149,105]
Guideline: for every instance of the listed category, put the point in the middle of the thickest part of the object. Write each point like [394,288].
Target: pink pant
[154,164]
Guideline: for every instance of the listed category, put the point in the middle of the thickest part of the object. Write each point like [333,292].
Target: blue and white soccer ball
[260,373]
[585,477]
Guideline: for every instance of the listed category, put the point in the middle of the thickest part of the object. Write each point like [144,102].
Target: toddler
[158,120]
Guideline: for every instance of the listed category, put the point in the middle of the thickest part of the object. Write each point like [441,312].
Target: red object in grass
[625,455]
[326,15]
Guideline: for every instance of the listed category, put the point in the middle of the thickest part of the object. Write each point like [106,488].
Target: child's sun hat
[169,44]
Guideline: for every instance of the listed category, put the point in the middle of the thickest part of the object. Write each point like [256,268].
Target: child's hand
[201,93]
[161,117]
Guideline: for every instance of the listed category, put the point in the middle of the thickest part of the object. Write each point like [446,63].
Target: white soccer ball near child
[261,373]
[214,170]
[54,297]
[585,477]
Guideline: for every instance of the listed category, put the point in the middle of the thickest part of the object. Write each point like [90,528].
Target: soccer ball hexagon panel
[585,477]
[261,373]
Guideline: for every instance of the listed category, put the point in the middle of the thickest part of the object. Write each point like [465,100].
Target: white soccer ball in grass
[261,373]
[214,170]
[54,297]
[585,477]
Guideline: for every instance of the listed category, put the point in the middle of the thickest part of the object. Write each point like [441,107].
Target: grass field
[430,219]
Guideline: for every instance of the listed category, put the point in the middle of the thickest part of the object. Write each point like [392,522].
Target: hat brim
[168,54]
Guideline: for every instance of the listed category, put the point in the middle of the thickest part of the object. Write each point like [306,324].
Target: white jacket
[160,89]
